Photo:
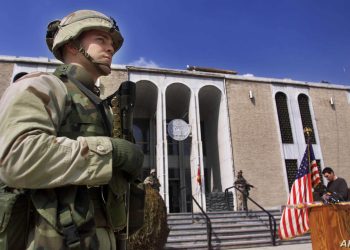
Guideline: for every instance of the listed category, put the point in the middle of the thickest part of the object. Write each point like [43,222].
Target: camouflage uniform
[244,186]
[55,142]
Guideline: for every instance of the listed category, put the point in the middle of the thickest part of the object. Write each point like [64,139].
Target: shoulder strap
[99,103]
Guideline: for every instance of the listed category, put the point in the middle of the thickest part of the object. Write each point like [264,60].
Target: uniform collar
[79,73]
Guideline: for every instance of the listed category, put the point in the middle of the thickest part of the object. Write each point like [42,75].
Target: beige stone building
[236,122]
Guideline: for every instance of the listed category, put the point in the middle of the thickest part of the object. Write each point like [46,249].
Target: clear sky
[307,40]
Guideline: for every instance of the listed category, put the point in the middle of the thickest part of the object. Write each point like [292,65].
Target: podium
[330,226]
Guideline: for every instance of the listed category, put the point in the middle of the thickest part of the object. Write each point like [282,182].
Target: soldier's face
[99,45]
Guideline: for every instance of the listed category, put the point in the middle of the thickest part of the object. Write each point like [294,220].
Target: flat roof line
[248,77]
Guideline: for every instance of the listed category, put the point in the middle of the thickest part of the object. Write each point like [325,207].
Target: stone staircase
[230,230]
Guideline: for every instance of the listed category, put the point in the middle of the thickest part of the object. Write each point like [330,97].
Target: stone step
[216,220]
[219,245]
[234,244]
[230,230]
[219,231]
[222,214]
[222,238]
[225,216]
[200,218]
[218,225]
[244,236]
[298,240]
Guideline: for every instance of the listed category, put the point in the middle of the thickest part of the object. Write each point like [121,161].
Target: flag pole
[308,131]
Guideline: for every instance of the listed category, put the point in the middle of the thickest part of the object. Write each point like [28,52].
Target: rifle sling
[99,103]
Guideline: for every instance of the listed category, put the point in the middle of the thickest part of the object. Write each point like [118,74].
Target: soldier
[244,186]
[55,137]
[152,180]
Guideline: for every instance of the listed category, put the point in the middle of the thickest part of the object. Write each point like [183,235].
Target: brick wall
[333,124]
[256,147]
[6,70]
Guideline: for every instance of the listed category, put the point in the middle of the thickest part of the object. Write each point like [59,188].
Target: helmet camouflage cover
[73,25]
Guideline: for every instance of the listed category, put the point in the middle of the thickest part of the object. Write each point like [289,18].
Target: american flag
[295,221]
[315,175]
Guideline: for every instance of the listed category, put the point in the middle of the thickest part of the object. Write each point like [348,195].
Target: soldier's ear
[71,48]
[67,51]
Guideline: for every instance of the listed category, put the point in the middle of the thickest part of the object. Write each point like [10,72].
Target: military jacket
[54,142]
[32,154]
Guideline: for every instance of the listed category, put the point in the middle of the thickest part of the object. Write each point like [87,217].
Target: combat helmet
[72,26]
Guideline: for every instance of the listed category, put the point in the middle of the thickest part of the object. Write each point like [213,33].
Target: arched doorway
[145,123]
[177,98]
[209,98]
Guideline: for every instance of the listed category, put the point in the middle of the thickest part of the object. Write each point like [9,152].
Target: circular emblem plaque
[178,129]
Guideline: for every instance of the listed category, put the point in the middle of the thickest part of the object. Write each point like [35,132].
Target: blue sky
[307,40]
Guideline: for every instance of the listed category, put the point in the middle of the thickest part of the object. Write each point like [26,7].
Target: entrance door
[174,195]
[179,175]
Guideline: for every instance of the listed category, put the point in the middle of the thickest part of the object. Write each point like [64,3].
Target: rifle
[122,103]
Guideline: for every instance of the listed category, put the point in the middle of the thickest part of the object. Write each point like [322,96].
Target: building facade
[236,123]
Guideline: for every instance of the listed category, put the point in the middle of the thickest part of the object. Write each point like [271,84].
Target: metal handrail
[271,218]
[207,220]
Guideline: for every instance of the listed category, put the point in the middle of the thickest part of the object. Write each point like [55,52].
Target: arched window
[292,170]
[303,101]
[283,118]
[19,75]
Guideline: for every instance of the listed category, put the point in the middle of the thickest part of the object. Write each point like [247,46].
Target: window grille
[306,119]
[283,118]
[292,169]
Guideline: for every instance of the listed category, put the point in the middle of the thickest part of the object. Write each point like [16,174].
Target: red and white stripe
[315,174]
[295,221]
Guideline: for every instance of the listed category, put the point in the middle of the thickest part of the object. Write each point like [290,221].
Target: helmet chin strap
[103,68]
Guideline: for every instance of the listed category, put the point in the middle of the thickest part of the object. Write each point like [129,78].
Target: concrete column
[225,146]
[198,191]
[159,147]
[165,151]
